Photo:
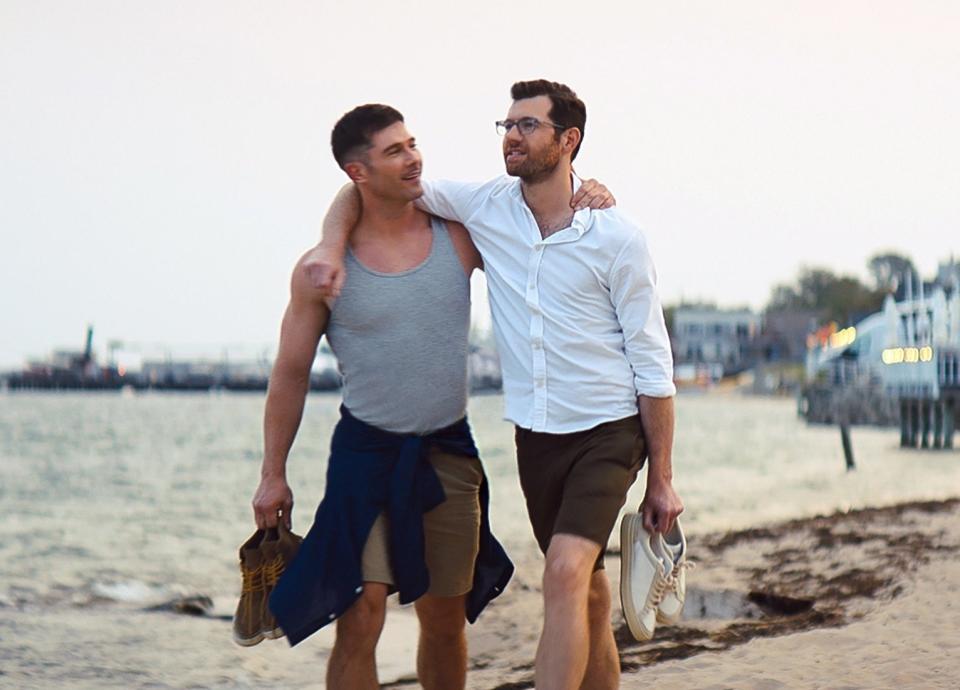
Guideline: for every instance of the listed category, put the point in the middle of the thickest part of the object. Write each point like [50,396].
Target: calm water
[112,503]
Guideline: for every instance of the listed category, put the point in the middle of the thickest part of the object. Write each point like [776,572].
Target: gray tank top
[401,340]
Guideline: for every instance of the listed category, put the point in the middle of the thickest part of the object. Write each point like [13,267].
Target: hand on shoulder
[321,269]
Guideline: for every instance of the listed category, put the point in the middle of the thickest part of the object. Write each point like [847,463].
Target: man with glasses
[587,366]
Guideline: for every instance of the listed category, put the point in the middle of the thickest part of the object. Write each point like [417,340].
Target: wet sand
[861,599]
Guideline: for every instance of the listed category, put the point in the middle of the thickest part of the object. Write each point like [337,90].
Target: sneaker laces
[660,586]
[674,576]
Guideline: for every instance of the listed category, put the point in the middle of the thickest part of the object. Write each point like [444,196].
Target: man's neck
[549,200]
[385,218]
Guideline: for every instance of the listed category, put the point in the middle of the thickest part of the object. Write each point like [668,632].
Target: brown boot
[279,548]
[247,622]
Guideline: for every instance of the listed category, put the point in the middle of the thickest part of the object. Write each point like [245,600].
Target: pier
[899,367]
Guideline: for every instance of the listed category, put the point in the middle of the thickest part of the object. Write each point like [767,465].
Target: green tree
[888,270]
[832,297]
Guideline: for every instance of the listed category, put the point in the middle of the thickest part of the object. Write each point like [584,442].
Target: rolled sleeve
[633,290]
[450,199]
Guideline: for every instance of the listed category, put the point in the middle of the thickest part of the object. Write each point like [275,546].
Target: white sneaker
[673,547]
[644,577]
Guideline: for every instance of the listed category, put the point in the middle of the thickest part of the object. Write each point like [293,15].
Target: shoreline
[761,592]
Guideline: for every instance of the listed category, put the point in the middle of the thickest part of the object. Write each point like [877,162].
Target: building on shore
[899,366]
[709,343]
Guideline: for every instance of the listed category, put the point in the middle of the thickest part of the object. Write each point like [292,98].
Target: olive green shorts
[451,531]
[576,483]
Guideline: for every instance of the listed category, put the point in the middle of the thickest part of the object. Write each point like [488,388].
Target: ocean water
[113,503]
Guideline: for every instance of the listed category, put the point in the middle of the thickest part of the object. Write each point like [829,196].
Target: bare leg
[353,664]
[442,653]
[564,644]
[603,665]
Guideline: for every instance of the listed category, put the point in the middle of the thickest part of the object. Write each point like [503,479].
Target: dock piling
[949,421]
[938,415]
[904,423]
[847,446]
[914,422]
[925,424]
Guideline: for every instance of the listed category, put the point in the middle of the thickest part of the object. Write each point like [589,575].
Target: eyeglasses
[525,125]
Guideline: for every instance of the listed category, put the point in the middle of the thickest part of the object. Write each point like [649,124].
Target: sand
[864,599]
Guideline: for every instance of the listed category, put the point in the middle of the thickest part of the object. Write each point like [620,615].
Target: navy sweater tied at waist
[371,471]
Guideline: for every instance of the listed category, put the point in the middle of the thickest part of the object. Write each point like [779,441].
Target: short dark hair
[566,109]
[351,137]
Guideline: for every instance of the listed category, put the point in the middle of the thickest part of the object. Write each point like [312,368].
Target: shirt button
[332,616]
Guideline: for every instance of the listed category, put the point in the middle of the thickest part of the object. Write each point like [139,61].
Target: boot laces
[272,571]
[252,580]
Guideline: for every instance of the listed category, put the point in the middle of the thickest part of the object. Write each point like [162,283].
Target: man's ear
[570,139]
[356,170]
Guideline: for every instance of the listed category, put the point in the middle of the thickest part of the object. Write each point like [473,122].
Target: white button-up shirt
[576,316]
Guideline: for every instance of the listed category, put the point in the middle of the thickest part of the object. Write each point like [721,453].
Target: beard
[535,166]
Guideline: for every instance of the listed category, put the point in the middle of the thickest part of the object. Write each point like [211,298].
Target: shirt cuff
[655,389]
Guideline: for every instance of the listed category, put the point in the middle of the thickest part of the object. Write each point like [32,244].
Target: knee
[565,577]
[443,630]
[360,626]
[443,623]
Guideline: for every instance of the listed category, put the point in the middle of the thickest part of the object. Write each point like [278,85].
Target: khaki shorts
[576,483]
[451,531]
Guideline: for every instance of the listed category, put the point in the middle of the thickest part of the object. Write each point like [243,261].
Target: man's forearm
[657,419]
[281,419]
[343,214]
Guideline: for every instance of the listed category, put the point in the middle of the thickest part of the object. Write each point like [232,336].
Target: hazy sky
[163,164]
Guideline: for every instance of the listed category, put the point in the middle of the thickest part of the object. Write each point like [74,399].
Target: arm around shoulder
[323,264]
[451,199]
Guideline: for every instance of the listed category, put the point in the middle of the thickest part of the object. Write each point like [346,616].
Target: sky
[164,164]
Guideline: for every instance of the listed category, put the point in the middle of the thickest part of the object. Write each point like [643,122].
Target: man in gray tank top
[586,363]
[399,331]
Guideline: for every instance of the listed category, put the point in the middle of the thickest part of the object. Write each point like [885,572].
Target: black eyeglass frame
[525,125]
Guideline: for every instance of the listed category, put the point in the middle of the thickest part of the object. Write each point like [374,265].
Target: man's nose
[513,135]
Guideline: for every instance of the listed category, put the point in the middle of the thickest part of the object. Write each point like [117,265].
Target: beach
[860,599]
[118,510]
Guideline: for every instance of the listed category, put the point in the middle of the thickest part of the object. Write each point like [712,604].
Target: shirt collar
[580,224]
[581,219]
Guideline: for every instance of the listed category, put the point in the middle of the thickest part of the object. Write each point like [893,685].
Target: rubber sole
[248,641]
[630,526]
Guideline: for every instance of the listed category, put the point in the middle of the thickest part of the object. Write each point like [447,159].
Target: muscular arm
[304,322]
